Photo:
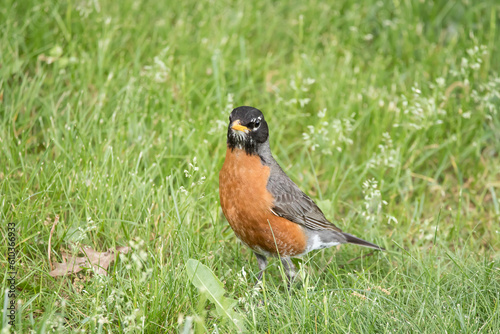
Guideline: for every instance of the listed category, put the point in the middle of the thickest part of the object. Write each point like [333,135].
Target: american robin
[265,208]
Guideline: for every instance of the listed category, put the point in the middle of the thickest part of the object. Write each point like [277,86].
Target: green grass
[106,104]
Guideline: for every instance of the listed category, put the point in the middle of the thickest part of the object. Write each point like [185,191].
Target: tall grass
[114,116]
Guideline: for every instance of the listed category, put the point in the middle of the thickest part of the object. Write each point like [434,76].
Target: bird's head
[247,129]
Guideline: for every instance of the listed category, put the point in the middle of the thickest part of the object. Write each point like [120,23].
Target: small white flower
[309,81]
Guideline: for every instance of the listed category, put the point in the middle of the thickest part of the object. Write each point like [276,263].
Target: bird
[266,210]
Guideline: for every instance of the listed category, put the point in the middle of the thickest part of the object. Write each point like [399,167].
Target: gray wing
[291,203]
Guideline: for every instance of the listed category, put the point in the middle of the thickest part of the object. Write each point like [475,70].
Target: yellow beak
[237,126]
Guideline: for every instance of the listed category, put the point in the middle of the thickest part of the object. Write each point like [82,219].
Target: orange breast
[247,204]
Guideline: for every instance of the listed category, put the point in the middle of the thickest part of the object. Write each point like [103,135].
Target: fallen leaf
[100,261]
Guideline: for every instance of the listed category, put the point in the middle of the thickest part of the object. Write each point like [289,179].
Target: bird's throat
[243,142]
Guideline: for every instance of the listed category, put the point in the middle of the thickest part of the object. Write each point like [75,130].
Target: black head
[247,129]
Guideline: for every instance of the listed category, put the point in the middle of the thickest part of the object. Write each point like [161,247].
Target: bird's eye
[256,124]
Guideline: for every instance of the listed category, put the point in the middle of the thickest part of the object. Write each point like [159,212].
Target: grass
[114,115]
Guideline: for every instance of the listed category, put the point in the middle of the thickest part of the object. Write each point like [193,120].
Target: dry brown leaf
[100,261]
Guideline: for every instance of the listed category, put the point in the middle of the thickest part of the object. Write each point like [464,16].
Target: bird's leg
[262,261]
[290,269]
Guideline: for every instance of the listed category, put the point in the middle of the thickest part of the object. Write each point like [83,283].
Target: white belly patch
[315,242]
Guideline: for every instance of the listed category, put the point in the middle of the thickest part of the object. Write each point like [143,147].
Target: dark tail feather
[351,239]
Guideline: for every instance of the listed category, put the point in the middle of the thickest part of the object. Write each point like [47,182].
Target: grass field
[387,113]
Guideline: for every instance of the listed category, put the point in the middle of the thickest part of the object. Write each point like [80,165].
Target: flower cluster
[299,86]
[329,134]
[422,111]
[159,70]
[372,206]
[387,156]
[192,173]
